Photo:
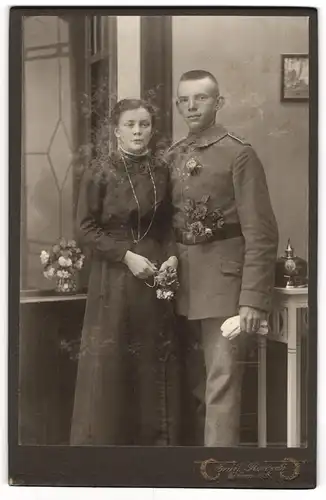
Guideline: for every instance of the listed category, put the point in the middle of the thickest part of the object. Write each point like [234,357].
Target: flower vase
[66,286]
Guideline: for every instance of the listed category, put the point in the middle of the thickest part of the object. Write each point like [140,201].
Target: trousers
[215,367]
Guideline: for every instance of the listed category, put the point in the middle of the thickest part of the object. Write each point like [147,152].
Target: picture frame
[295,78]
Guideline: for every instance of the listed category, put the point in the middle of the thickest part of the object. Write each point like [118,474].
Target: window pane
[93,35]
[99,34]
[41,103]
[48,142]
[40,30]
[42,196]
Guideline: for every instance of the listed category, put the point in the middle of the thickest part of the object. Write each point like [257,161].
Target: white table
[284,328]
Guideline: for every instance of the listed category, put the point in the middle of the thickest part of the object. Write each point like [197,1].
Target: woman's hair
[128,104]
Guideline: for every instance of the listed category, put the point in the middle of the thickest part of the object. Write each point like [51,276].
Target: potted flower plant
[62,262]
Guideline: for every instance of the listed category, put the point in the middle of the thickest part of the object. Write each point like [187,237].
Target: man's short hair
[199,74]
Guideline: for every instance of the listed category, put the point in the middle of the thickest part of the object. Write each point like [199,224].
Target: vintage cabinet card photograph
[163,247]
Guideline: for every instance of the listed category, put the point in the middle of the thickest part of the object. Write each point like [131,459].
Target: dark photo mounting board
[59,59]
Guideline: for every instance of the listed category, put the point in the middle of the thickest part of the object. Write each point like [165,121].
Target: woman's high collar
[134,156]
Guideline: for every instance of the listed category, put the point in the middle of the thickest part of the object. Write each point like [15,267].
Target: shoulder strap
[175,144]
[239,139]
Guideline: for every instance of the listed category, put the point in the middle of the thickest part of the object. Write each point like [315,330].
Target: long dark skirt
[128,388]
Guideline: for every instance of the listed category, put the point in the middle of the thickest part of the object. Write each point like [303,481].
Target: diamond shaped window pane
[60,154]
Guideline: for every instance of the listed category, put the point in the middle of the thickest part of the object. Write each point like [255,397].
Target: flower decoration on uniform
[201,222]
[166,283]
[193,166]
[62,262]
[218,219]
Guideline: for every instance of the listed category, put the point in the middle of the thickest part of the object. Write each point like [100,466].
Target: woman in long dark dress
[127,389]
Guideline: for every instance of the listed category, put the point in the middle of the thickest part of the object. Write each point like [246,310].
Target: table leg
[293,368]
[262,418]
[299,370]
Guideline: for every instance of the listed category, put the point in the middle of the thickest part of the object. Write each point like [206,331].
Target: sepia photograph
[295,77]
[165,233]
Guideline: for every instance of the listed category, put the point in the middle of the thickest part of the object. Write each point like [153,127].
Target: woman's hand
[171,262]
[140,267]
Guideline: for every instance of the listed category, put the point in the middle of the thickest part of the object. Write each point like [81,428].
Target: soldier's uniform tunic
[232,266]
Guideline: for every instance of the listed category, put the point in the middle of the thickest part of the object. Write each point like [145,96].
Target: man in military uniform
[227,245]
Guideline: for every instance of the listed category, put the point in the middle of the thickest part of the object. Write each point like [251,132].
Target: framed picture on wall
[295,77]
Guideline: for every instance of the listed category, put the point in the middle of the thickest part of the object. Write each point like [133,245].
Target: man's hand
[250,319]
[171,262]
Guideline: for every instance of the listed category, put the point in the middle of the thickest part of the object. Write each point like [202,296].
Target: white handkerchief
[231,328]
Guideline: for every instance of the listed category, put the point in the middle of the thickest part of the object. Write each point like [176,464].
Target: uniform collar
[208,136]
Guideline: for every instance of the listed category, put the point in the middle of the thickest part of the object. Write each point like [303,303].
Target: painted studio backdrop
[74,70]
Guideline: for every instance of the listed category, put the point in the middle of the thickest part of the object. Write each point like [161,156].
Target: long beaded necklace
[139,238]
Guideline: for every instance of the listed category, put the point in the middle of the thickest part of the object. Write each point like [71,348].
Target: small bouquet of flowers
[62,262]
[193,166]
[166,283]
[201,222]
